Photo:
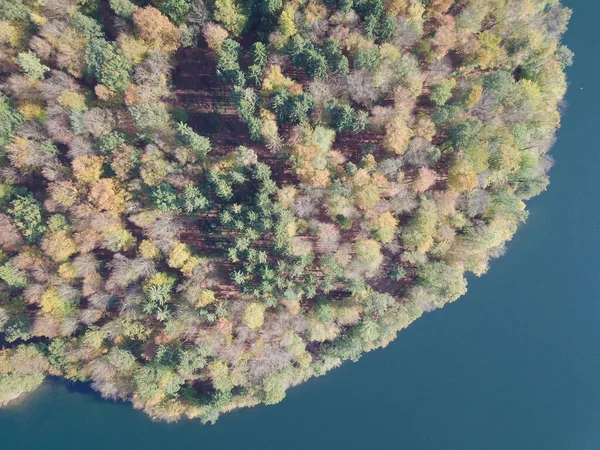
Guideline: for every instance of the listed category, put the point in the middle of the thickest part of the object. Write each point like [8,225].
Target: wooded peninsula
[206,202]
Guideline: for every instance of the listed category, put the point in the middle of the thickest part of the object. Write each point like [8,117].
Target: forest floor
[208,104]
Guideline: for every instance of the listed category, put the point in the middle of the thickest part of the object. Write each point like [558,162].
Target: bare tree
[421,297]
[33,292]
[53,170]
[405,33]
[199,13]
[86,265]
[101,300]
[32,130]
[22,87]
[152,77]
[329,237]
[164,231]
[475,202]
[89,316]
[98,122]
[45,325]
[41,47]
[130,305]
[69,293]
[80,146]
[59,129]
[57,9]
[55,84]
[360,87]
[10,238]
[125,271]
[304,206]
[418,153]
[10,175]
[403,200]
[69,326]
[92,284]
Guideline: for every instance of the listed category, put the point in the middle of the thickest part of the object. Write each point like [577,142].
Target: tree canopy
[206,202]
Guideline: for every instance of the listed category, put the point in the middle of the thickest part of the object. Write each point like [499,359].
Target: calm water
[515,365]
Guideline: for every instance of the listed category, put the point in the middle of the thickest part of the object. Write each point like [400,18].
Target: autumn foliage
[204,203]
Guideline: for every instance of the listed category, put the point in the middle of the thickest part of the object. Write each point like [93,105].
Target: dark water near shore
[514,365]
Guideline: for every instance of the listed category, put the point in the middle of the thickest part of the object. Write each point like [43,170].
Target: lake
[515,364]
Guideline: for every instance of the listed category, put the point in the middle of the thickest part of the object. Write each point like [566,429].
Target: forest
[206,202]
